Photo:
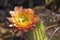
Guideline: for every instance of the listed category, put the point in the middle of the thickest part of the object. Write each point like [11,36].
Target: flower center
[21,19]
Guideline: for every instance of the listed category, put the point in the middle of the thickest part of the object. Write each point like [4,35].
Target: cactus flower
[22,19]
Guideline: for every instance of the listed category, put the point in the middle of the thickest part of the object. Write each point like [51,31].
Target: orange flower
[23,19]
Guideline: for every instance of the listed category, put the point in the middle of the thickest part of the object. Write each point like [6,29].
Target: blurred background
[48,10]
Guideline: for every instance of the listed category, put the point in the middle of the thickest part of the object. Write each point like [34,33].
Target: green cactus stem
[37,34]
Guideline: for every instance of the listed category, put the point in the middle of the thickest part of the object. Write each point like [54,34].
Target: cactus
[37,34]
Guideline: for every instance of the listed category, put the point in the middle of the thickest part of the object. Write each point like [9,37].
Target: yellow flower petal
[23,18]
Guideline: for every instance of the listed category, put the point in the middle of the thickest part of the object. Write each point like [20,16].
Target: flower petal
[30,11]
[15,29]
[18,8]
[11,25]
[32,28]
[25,30]
[10,19]
[25,10]
[12,13]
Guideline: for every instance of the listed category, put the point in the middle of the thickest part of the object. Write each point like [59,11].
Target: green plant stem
[38,33]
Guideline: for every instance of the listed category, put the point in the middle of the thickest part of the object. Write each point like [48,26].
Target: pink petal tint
[23,19]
